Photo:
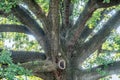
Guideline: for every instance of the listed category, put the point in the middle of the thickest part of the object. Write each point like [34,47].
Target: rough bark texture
[63,42]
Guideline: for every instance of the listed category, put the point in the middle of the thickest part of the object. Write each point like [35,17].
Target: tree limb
[14,28]
[24,16]
[79,26]
[26,56]
[55,32]
[55,27]
[96,41]
[112,68]
[39,66]
[87,31]
[110,51]
[40,14]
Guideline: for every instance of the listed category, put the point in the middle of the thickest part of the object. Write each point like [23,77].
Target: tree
[62,37]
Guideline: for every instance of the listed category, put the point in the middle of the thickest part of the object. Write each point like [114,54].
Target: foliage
[93,21]
[101,72]
[9,20]
[19,41]
[6,5]
[106,1]
[8,69]
[44,4]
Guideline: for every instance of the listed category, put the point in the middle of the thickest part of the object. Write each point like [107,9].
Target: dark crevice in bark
[68,9]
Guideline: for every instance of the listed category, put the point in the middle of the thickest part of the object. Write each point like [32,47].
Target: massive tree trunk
[63,42]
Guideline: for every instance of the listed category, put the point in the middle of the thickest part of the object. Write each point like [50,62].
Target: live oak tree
[64,33]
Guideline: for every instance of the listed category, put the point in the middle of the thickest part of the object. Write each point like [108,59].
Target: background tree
[68,31]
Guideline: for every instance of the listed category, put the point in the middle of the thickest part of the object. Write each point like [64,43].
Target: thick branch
[37,10]
[87,31]
[96,41]
[24,16]
[105,5]
[14,28]
[26,56]
[39,66]
[110,51]
[55,32]
[112,68]
[77,29]
[55,26]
